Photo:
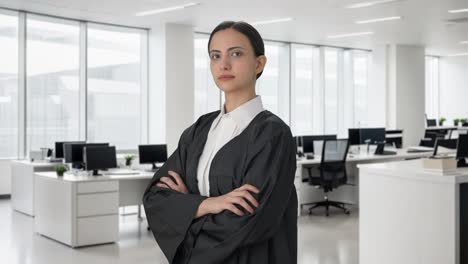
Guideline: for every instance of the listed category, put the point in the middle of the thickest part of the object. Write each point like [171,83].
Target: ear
[261,62]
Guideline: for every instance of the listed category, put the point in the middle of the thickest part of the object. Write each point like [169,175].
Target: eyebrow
[231,48]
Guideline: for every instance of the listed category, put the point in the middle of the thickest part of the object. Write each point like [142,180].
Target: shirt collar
[246,112]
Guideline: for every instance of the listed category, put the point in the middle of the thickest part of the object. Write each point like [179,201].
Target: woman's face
[233,63]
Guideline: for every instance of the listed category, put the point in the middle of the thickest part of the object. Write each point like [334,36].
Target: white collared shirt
[225,127]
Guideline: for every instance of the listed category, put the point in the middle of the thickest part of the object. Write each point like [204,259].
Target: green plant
[456,121]
[128,159]
[463,120]
[441,121]
[61,169]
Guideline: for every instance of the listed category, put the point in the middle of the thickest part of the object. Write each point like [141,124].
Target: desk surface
[364,156]
[86,178]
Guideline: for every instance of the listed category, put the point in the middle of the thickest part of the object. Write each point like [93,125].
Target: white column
[171,82]
[406,91]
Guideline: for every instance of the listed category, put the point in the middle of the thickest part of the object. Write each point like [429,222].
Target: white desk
[22,183]
[409,215]
[346,193]
[83,210]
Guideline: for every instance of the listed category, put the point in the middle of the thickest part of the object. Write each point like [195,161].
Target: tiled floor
[332,240]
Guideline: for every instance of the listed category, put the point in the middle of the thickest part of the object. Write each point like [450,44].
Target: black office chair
[331,173]
[430,139]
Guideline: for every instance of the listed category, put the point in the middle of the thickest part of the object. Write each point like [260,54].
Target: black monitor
[99,158]
[431,122]
[462,150]
[359,136]
[150,154]
[59,148]
[73,152]
[308,141]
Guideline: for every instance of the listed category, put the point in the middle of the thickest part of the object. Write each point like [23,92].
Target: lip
[226,77]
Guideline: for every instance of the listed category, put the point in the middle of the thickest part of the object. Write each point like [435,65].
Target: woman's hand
[167,182]
[239,196]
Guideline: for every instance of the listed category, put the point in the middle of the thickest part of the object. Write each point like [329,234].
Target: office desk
[346,193]
[409,215]
[22,183]
[84,210]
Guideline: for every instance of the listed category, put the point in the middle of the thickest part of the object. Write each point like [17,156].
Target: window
[331,70]
[273,85]
[114,95]
[207,94]
[306,99]
[432,87]
[8,85]
[52,81]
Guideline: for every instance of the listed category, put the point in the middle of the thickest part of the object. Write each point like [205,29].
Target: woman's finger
[168,181]
[234,209]
[162,185]
[249,197]
[177,177]
[240,201]
[248,187]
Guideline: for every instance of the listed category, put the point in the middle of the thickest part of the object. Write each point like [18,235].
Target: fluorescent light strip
[371,3]
[272,21]
[378,20]
[458,11]
[163,10]
[464,42]
[458,54]
[350,35]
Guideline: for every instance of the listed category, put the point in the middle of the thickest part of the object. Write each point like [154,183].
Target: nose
[225,63]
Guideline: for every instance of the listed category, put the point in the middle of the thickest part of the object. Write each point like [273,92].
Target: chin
[228,88]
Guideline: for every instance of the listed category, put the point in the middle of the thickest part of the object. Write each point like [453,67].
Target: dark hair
[248,30]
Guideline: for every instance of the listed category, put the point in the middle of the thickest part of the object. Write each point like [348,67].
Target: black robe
[264,156]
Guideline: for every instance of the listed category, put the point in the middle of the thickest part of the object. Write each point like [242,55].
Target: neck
[235,99]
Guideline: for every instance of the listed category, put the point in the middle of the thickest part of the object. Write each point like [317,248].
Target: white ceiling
[424,21]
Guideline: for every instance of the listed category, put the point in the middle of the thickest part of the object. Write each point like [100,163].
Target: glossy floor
[332,240]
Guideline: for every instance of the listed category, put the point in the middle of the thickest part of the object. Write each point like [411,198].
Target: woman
[226,195]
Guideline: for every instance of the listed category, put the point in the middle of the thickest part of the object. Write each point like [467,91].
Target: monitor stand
[461,163]
[96,173]
[154,168]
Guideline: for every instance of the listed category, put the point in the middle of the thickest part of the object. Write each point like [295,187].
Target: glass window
[331,90]
[114,94]
[273,85]
[207,94]
[8,85]
[52,85]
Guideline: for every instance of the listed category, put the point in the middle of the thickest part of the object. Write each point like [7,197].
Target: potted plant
[456,121]
[463,121]
[128,159]
[61,169]
[441,121]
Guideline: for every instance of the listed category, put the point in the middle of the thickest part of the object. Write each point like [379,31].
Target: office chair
[331,173]
[430,139]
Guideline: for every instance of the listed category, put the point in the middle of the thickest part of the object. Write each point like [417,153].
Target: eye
[214,56]
[236,54]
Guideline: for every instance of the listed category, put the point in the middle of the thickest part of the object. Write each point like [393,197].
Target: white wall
[376,91]
[5,177]
[453,91]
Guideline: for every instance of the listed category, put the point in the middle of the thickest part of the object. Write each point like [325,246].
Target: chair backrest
[333,165]
[335,150]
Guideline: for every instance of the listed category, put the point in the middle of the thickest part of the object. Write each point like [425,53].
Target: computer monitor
[359,136]
[308,141]
[99,158]
[431,122]
[446,143]
[462,150]
[73,152]
[59,147]
[150,154]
